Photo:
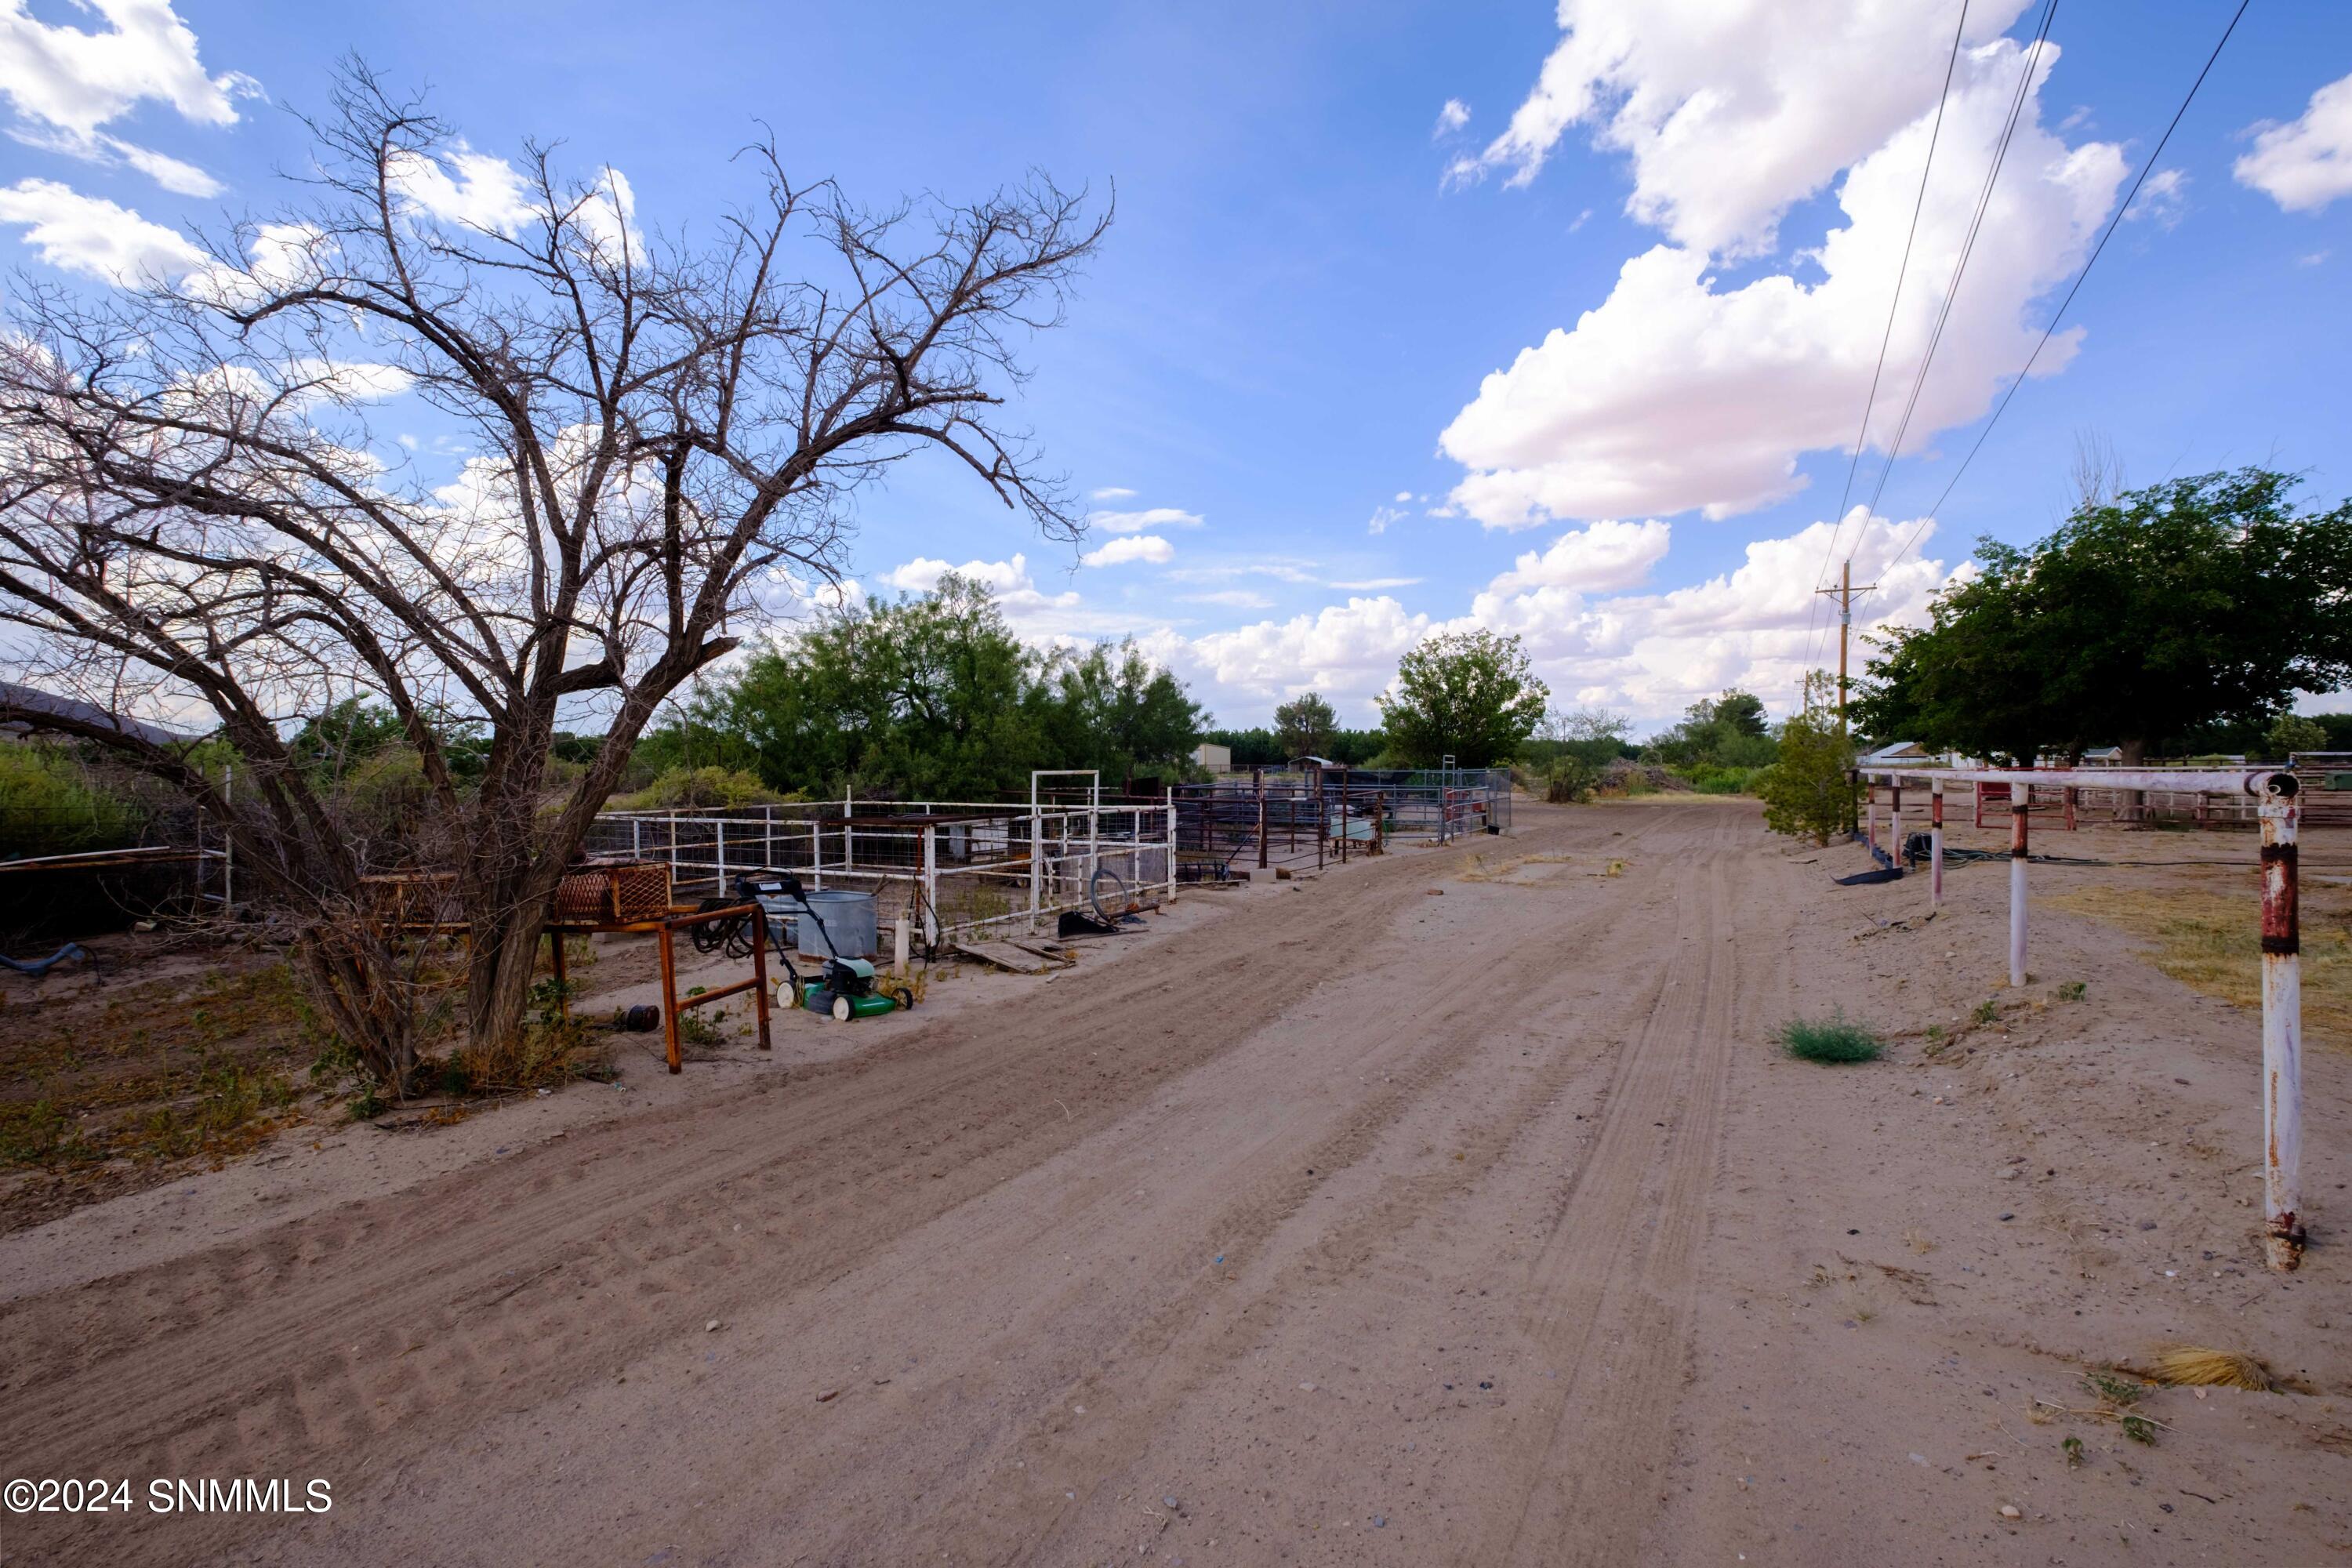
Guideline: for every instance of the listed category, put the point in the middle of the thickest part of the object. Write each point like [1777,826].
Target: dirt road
[1412,1216]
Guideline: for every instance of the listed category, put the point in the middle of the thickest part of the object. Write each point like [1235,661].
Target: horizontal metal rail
[2226,781]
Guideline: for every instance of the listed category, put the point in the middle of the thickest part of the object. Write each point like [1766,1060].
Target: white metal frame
[1094,831]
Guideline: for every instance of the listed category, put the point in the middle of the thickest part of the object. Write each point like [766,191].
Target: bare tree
[2096,473]
[197,514]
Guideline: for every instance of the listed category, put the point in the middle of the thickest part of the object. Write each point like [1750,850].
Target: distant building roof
[1899,751]
[33,699]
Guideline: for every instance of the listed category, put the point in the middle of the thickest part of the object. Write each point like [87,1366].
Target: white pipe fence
[2274,793]
[958,870]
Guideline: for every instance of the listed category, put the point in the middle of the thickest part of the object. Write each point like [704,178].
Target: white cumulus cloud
[1136,522]
[65,84]
[1677,393]
[2306,163]
[92,236]
[1451,117]
[1129,548]
[478,190]
[1731,113]
[1347,651]
[1597,558]
[1653,654]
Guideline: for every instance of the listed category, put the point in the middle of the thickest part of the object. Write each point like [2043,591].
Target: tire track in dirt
[1204,1330]
[1613,1286]
[495,1290]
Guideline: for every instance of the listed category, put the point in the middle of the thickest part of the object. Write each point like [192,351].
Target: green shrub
[687,787]
[1713,778]
[49,804]
[1572,779]
[1830,1039]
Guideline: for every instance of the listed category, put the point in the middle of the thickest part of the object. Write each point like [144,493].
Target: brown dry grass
[1481,869]
[2212,942]
[2193,1366]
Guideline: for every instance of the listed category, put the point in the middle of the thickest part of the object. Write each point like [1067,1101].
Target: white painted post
[1936,844]
[931,885]
[1894,826]
[898,948]
[228,840]
[1870,836]
[2282,1033]
[722,855]
[1094,832]
[636,837]
[816,851]
[1171,844]
[1036,856]
[2017,809]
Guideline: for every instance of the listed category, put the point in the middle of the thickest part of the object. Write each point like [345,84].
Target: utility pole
[1843,593]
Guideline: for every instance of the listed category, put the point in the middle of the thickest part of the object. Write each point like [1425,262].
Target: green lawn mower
[844,988]
[846,992]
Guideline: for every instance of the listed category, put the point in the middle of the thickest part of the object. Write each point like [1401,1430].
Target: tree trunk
[353,974]
[498,979]
[2133,749]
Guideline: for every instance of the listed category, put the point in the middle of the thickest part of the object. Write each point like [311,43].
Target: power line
[1968,248]
[1869,404]
[2055,316]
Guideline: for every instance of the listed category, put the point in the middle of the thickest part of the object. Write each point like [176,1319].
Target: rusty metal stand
[665,933]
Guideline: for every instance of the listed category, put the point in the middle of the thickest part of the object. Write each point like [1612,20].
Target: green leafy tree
[1473,694]
[1725,732]
[1303,727]
[1808,792]
[929,697]
[926,696]
[2292,733]
[1111,707]
[2144,620]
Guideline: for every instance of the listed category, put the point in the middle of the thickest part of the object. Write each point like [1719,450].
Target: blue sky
[1284,348]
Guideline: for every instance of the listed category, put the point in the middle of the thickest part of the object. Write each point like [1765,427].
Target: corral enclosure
[957,869]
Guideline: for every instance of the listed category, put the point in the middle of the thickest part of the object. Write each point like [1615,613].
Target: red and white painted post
[2017,815]
[1936,844]
[1894,825]
[2281,1029]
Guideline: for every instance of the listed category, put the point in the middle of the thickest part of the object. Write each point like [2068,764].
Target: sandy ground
[1452,1208]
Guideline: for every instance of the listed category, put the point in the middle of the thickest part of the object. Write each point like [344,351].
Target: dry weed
[2212,942]
[2194,1366]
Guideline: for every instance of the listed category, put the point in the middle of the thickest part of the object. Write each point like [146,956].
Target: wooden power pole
[1843,593]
